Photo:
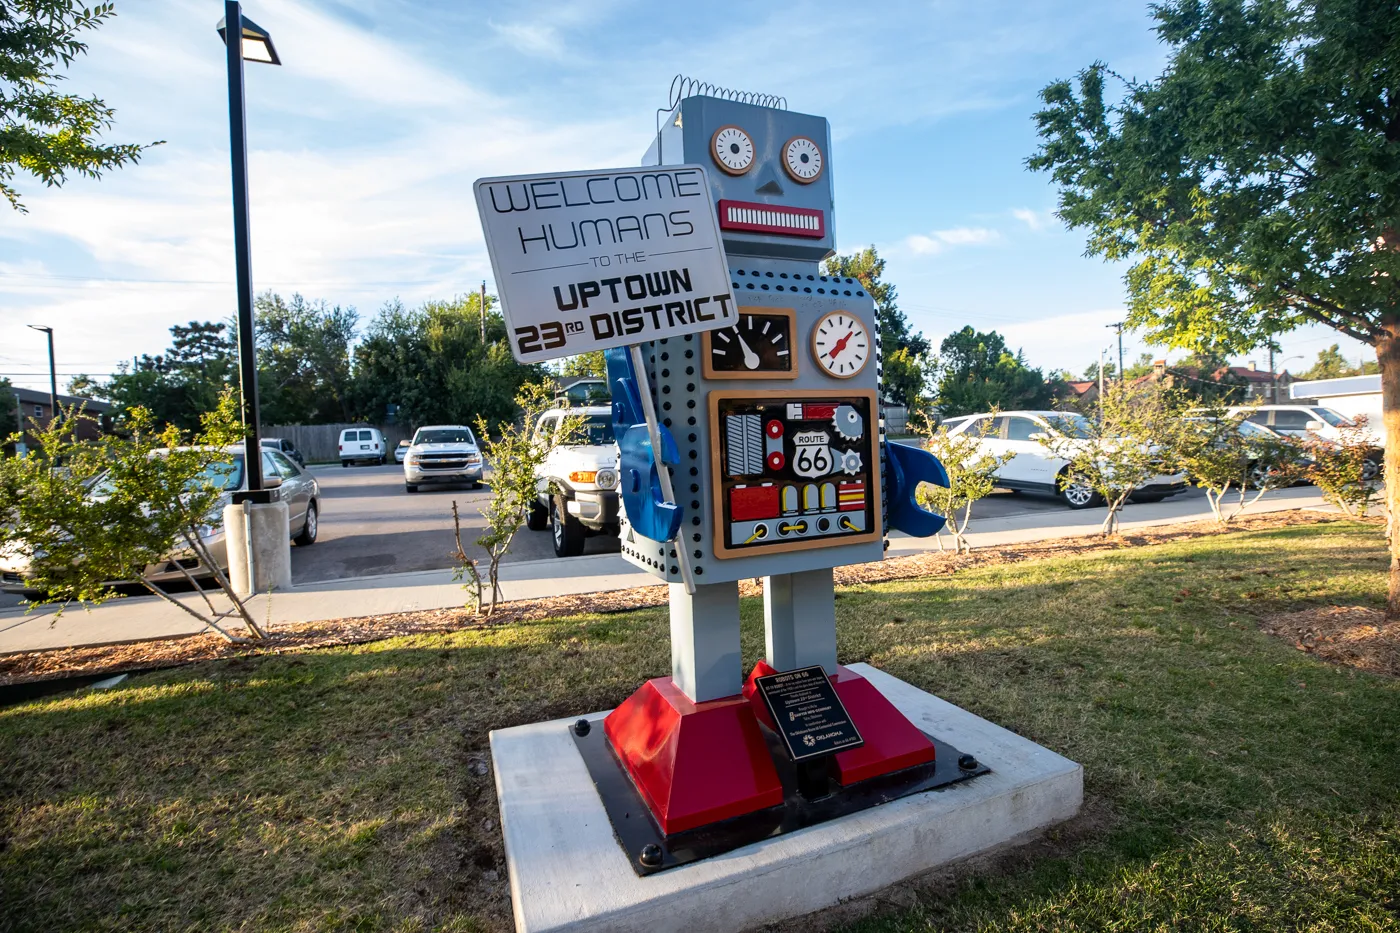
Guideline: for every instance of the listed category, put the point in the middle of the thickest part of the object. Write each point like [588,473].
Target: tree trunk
[1388,355]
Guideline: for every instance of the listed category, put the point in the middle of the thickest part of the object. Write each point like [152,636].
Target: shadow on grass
[349,788]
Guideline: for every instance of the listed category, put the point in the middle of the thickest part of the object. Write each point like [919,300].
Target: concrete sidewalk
[146,617]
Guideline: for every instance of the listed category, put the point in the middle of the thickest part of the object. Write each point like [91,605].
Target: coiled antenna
[683,87]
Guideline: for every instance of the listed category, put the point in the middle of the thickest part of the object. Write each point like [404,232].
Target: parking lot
[370,525]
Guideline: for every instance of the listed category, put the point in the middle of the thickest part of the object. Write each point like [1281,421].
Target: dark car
[284,445]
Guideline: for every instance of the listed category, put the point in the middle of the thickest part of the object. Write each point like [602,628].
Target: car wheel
[538,518]
[345,463]
[1077,494]
[309,529]
[568,531]
[1371,469]
[474,484]
[410,487]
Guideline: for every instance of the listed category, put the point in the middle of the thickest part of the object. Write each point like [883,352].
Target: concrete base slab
[567,872]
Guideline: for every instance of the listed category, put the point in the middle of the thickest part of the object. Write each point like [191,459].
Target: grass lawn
[1233,782]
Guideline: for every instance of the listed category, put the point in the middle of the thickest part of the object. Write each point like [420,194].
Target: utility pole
[1101,352]
[1122,376]
[1273,378]
[483,314]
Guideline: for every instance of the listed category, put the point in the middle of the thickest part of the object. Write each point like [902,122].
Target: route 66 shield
[812,455]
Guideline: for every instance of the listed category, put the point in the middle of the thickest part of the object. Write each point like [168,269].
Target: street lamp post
[255,45]
[53,373]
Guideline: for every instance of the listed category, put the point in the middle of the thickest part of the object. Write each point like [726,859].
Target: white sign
[590,260]
[812,458]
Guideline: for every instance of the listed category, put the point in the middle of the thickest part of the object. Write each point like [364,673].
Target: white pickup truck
[442,453]
[577,483]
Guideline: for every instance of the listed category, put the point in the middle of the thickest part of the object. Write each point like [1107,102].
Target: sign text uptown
[589,260]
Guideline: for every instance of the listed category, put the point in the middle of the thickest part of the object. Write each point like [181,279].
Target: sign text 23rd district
[589,260]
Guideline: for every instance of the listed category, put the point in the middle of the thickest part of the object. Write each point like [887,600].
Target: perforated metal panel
[674,368]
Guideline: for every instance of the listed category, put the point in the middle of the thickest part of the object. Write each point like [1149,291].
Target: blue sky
[364,145]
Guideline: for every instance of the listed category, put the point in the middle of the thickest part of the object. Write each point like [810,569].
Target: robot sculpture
[770,461]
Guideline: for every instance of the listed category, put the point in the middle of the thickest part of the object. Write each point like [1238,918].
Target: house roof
[34,397]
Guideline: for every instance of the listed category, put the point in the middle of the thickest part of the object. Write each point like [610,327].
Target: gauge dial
[841,344]
[732,150]
[759,346]
[803,159]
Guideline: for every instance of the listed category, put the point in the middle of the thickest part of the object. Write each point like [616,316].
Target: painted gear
[848,422]
[850,461]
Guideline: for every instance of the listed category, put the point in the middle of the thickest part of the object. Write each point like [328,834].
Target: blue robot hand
[908,467]
[638,480]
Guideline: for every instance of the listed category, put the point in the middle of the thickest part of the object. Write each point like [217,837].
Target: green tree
[431,363]
[976,372]
[179,386]
[1331,364]
[905,350]
[516,456]
[82,514]
[9,415]
[303,359]
[1142,367]
[971,470]
[42,132]
[590,364]
[1253,186]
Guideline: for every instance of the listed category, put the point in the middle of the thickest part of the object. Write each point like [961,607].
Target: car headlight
[607,479]
[410,458]
[473,458]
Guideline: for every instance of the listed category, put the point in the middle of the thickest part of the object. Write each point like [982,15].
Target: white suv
[577,482]
[1032,468]
[442,453]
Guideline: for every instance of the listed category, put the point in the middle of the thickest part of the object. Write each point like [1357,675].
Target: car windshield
[598,430]
[444,436]
[1331,417]
[1071,425]
[1250,429]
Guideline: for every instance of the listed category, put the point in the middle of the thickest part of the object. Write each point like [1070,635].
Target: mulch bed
[1351,635]
[292,637]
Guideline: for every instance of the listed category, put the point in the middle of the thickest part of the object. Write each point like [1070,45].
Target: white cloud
[939,240]
[531,38]
[1036,220]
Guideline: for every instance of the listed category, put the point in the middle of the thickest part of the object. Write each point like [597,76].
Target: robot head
[770,174]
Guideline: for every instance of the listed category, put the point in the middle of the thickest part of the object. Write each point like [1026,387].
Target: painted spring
[683,87]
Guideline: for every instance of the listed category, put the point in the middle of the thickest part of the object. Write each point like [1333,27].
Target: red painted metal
[753,217]
[693,763]
[748,503]
[892,743]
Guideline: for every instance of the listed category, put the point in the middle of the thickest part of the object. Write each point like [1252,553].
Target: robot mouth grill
[750,217]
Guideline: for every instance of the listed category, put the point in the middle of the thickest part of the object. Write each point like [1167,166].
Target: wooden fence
[320,443]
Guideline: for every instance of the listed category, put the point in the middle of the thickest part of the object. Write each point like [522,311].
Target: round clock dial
[732,150]
[803,159]
[840,344]
[758,343]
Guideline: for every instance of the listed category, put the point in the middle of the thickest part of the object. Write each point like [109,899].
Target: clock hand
[751,360]
[841,344]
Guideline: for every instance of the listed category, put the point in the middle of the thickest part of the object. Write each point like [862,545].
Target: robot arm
[640,485]
[908,467]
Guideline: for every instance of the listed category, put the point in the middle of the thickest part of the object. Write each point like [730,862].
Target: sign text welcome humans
[589,260]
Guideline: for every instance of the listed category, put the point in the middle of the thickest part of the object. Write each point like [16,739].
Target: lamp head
[257,43]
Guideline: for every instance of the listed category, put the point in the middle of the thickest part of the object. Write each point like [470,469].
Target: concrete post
[799,620]
[705,659]
[271,550]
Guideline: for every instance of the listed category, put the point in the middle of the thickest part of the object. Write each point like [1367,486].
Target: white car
[1301,420]
[442,453]
[1033,469]
[577,482]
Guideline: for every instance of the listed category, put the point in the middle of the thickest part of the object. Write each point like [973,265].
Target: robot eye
[732,149]
[802,159]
